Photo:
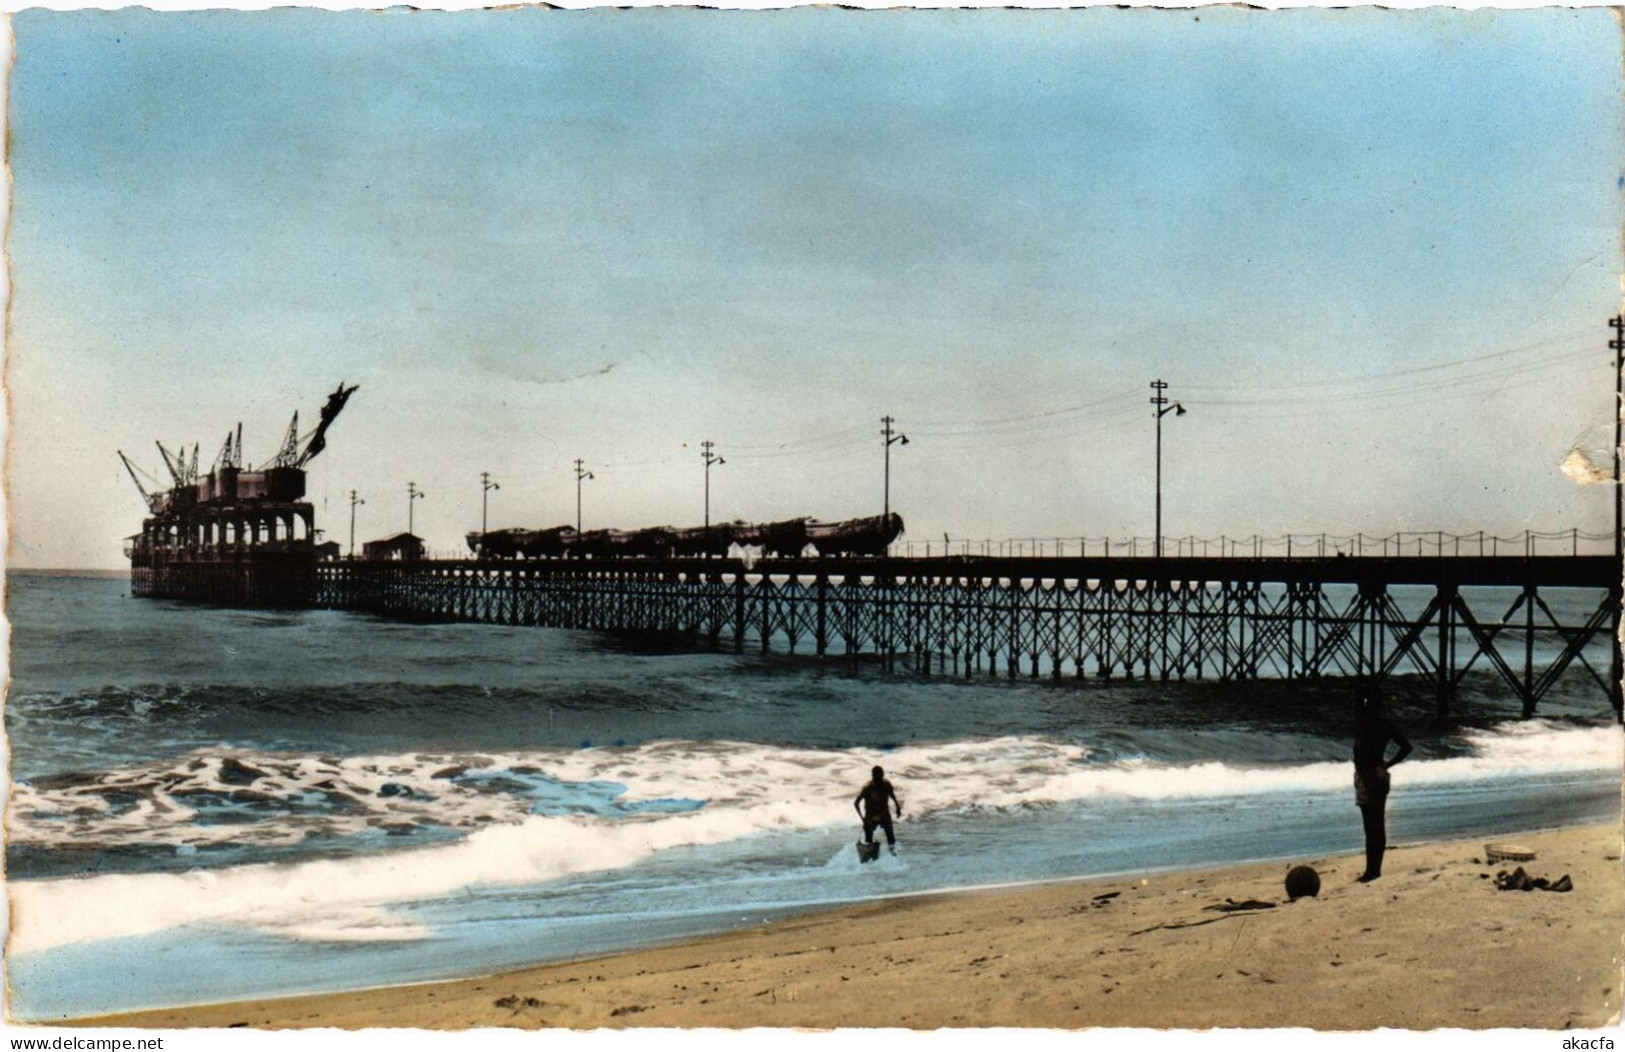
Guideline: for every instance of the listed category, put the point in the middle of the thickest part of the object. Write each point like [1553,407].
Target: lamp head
[1179,410]
[903,439]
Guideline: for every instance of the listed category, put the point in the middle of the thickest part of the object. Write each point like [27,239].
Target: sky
[1373,253]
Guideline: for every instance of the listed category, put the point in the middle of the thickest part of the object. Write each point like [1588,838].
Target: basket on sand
[1495,854]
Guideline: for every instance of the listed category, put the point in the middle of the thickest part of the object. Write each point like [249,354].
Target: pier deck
[1230,618]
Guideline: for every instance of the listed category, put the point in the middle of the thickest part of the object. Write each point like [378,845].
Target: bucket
[1495,854]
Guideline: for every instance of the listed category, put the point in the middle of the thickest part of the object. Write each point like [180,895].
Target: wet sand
[1431,944]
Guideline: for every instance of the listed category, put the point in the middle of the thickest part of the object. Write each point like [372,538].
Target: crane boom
[330,412]
[151,499]
[288,455]
[176,465]
[222,459]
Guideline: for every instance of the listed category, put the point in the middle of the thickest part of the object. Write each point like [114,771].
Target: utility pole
[413,495]
[891,435]
[710,458]
[354,500]
[486,486]
[1617,344]
[1163,407]
[582,474]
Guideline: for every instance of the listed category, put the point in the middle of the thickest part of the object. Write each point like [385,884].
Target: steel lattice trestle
[1221,619]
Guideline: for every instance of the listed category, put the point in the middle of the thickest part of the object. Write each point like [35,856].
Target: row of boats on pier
[787,539]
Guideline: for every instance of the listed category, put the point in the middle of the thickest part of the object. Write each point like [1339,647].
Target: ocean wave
[265,799]
[543,815]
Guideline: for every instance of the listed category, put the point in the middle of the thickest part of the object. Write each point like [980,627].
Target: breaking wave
[541,815]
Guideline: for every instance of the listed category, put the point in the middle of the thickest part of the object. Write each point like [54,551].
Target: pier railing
[1228,618]
[1401,544]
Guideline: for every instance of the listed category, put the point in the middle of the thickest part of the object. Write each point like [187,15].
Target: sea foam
[734,790]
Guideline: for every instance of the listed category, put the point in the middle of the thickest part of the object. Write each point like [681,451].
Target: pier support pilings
[1528,620]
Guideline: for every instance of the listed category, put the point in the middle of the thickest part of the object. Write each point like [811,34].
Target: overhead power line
[1415,370]
[1472,374]
[1474,382]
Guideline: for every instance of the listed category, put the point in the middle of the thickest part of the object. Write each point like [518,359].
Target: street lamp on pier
[413,495]
[354,500]
[486,486]
[1163,407]
[892,437]
[1617,345]
[710,458]
[582,474]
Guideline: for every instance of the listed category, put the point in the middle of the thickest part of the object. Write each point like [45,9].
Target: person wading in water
[871,807]
[1372,736]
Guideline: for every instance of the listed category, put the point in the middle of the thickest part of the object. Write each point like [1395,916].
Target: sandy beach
[1432,944]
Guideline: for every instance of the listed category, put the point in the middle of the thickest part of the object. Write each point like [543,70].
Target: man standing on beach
[1372,736]
[871,807]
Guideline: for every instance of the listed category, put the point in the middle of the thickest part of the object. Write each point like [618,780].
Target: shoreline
[1431,944]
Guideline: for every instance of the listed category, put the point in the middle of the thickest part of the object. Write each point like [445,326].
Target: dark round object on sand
[1302,882]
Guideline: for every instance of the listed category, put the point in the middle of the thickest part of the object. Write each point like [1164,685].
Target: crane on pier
[297,450]
[290,446]
[231,451]
[176,464]
[295,453]
[154,500]
[184,472]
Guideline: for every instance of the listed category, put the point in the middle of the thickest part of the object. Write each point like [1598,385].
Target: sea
[211,804]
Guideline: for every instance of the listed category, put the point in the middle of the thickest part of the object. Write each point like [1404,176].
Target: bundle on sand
[1518,880]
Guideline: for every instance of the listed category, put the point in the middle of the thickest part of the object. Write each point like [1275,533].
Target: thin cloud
[516,371]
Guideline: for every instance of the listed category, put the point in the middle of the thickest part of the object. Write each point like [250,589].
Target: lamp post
[413,495]
[1617,671]
[486,486]
[710,458]
[582,474]
[892,436]
[1163,407]
[1617,345]
[354,500]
